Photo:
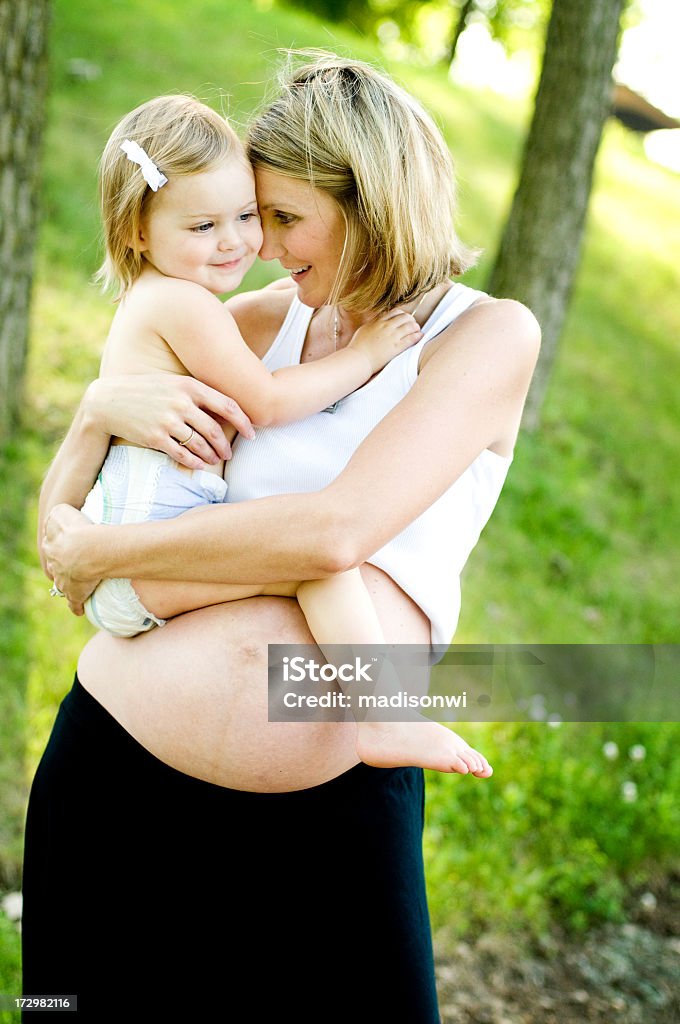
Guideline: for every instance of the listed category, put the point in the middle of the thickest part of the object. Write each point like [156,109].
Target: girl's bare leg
[336,608]
[167,598]
[339,608]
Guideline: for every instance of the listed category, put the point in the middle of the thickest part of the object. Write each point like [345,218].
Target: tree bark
[541,244]
[459,28]
[23,86]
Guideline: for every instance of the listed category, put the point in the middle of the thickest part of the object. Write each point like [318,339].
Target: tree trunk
[23,81]
[458,29]
[540,248]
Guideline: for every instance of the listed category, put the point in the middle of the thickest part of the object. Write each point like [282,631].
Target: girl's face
[204,227]
[304,230]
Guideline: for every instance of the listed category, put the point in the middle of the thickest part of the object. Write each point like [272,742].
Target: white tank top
[427,557]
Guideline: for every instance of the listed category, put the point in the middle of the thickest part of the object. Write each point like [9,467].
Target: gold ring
[182,443]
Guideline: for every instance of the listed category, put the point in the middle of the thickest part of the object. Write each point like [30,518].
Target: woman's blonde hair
[181,136]
[350,130]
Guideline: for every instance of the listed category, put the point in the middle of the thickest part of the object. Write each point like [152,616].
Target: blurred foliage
[578,549]
[424,29]
[575,817]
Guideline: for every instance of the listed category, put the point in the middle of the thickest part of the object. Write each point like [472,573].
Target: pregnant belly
[194,693]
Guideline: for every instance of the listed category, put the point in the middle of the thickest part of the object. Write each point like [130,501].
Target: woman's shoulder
[497,329]
[482,364]
[260,314]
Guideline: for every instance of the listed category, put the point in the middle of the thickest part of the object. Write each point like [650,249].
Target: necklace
[336,320]
[419,303]
[336,328]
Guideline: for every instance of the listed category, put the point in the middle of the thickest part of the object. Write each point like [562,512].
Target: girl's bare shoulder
[159,296]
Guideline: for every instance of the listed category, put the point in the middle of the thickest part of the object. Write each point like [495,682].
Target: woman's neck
[342,323]
[333,327]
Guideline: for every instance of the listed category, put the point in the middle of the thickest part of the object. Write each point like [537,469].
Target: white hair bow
[154,178]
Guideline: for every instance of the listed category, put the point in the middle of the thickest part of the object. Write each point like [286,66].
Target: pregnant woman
[183,854]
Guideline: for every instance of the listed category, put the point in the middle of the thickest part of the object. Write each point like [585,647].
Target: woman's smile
[297,275]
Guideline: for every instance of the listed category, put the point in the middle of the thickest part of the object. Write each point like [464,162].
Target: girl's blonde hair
[181,136]
[344,127]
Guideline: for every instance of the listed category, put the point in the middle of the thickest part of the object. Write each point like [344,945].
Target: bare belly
[194,693]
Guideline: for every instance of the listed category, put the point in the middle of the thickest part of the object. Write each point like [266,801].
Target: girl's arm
[203,334]
[469,396]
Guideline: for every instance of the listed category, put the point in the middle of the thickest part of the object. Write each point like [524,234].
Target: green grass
[10,965]
[580,548]
[588,512]
[560,835]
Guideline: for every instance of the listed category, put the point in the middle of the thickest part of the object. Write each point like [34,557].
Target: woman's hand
[177,415]
[173,414]
[62,555]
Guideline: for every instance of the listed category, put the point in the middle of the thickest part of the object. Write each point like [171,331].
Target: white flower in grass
[610,751]
[629,792]
[648,901]
[12,905]
[637,753]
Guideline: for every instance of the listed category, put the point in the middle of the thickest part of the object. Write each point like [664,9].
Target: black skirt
[148,892]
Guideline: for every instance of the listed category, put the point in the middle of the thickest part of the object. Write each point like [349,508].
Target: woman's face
[303,229]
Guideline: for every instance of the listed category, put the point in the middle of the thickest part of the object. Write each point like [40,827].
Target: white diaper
[115,607]
[134,485]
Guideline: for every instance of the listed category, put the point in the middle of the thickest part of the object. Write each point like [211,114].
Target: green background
[582,547]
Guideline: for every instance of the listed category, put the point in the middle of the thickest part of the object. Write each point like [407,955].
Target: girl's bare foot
[423,744]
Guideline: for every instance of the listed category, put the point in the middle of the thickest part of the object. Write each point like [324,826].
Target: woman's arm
[73,469]
[469,396]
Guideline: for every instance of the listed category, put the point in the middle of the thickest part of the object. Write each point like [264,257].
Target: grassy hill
[580,548]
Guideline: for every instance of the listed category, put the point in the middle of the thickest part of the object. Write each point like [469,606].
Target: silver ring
[182,443]
[56,592]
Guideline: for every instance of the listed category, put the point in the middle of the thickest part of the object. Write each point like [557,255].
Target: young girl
[181,227]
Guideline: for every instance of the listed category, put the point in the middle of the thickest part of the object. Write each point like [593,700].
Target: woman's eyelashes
[283,218]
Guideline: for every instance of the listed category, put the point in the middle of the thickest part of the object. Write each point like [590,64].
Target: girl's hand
[386,337]
[177,415]
[62,545]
